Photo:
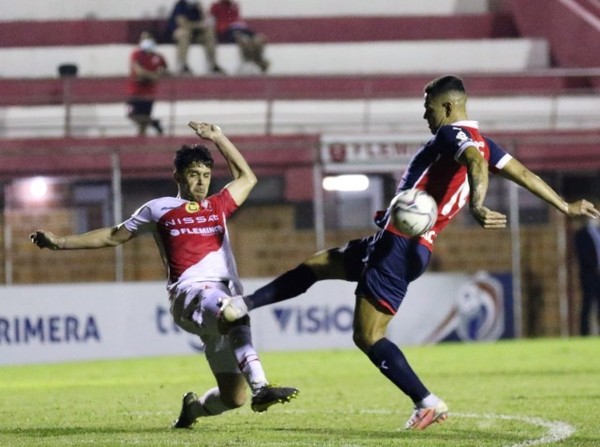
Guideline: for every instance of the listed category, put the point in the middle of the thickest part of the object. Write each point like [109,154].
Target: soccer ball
[413,212]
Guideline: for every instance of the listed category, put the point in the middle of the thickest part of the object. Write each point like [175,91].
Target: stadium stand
[317,54]
[118,9]
[535,82]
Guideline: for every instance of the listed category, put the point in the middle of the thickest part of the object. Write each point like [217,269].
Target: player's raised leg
[325,264]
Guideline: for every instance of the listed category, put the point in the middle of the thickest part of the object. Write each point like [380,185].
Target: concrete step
[384,57]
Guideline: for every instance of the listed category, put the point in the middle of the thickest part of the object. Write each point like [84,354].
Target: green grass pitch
[516,393]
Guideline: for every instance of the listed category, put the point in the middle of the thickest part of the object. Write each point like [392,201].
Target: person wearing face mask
[587,248]
[189,24]
[146,67]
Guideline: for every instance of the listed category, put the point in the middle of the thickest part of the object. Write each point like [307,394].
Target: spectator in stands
[232,29]
[189,24]
[146,67]
[587,247]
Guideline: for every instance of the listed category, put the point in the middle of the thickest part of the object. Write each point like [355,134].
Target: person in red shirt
[232,29]
[146,67]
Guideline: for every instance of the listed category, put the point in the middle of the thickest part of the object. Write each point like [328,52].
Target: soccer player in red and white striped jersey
[191,233]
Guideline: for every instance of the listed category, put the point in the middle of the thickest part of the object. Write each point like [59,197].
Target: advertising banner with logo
[437,307]
[368,153]
[55,323]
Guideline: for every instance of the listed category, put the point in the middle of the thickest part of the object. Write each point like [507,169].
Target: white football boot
[233,308]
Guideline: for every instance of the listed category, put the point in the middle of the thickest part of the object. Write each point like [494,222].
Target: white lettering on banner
[368,151]
[48,329]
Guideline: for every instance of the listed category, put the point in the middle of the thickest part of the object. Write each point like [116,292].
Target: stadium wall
[266,243]
[572,27]
[93,321]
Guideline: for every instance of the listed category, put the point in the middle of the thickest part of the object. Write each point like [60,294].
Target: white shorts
[195,310]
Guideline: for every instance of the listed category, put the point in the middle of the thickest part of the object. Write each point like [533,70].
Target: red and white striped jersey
[192,238]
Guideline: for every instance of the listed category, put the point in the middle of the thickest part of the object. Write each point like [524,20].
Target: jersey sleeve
[498,156]
[454,140]
[141,221]
[224,203]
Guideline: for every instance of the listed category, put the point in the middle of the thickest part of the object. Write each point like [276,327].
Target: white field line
[557,430]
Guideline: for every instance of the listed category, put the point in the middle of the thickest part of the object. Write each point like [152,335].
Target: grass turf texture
[494,391]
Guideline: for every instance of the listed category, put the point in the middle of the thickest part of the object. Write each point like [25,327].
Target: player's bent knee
[362,341]
[235,400]
[320,259]
[327,264]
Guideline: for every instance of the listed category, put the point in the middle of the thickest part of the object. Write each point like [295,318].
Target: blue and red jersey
[436,170]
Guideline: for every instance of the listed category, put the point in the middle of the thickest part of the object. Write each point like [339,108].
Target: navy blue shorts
[384,264]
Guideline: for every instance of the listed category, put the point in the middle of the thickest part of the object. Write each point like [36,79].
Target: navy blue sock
[289,285]
[391,362]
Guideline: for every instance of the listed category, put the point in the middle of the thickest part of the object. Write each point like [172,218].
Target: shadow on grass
[47,432]
[294,435]
[343,434]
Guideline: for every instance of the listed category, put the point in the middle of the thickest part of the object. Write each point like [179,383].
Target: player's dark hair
[187,155]
[445,84]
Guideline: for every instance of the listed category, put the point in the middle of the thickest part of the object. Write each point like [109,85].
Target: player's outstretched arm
[516,172]
[103,237]
[244,178]
[477,172]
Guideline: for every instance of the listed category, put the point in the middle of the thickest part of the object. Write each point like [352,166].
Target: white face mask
[148,45]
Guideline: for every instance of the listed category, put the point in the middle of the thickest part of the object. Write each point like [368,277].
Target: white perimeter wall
[52,323]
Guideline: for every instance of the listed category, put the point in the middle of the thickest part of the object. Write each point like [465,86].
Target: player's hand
[488,218]
[44,239]
[582,208]
[206,130]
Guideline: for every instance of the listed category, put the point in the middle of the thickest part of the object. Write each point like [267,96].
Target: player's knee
[360,340]
[326,264]
[364,340]
[234,400]
[319,260]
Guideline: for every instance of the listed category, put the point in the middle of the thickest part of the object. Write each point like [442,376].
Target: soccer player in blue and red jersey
[453,168]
